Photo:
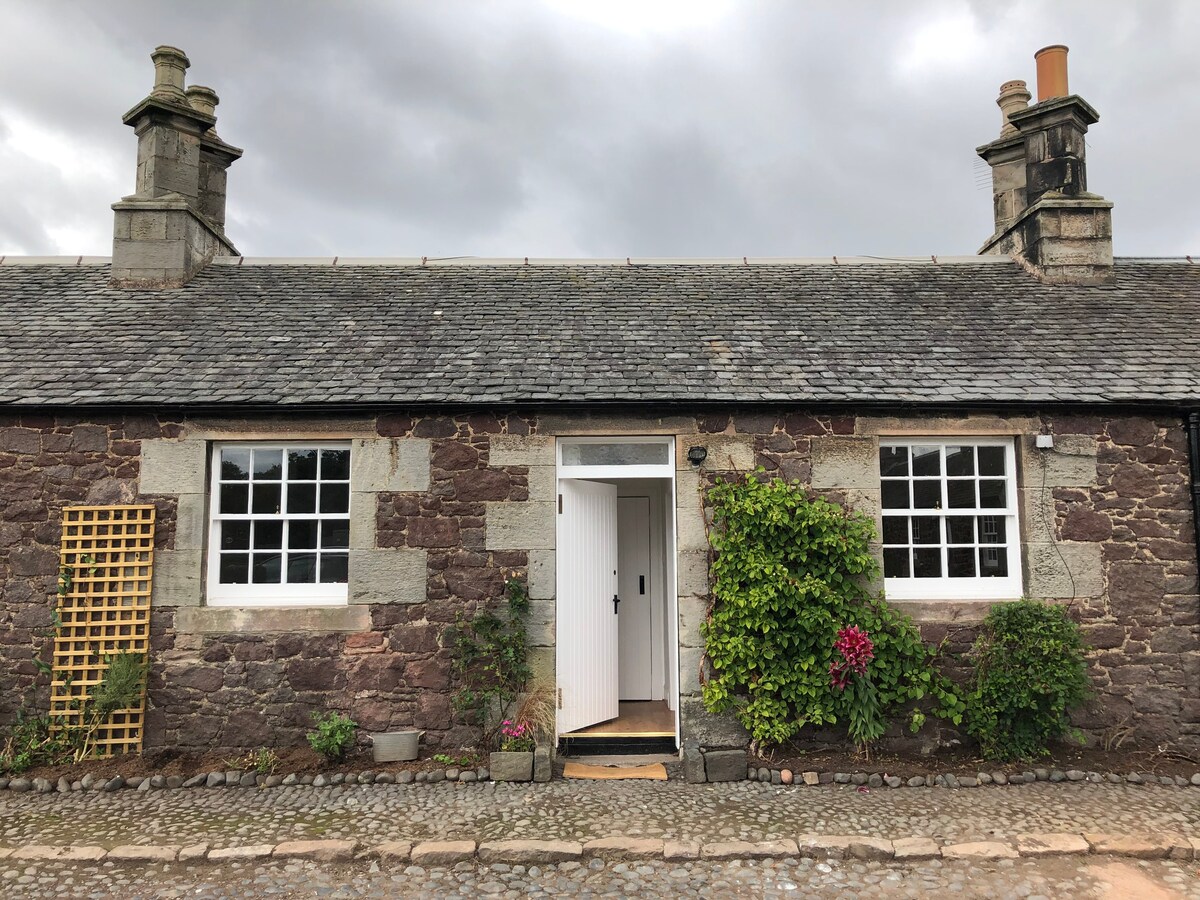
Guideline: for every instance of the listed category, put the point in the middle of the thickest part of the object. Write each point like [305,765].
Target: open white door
[586,629]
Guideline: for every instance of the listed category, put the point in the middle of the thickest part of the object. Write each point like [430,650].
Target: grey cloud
[457,128]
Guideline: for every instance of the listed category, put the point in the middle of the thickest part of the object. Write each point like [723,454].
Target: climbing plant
[491,661]
[789,572]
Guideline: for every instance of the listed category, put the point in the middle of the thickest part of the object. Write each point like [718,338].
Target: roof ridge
[632,262]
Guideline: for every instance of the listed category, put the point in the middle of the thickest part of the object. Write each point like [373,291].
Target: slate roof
[979,331]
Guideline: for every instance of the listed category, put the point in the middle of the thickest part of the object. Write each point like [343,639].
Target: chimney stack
[1044,215]
[174,223]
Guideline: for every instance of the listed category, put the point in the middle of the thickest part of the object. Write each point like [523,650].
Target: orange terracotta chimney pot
[1052,72]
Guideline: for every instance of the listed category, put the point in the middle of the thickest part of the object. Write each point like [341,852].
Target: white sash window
[950,527]
[280,524]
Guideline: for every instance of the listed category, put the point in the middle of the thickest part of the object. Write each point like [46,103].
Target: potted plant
[514,760]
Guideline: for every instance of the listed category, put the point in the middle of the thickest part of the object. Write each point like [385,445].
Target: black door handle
[616,603]
[641,584]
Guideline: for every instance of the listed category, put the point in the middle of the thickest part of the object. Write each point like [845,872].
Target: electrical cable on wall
[1050,526]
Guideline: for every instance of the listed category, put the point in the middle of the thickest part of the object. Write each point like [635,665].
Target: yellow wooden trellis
[104,608]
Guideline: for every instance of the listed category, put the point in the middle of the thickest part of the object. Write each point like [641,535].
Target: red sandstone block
[365,642]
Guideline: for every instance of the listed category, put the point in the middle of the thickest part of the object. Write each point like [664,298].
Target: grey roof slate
[289,333]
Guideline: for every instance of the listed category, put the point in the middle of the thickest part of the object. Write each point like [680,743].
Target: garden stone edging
[433,853]
[699,767]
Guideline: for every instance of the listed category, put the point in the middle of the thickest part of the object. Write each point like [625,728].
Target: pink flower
[857,651]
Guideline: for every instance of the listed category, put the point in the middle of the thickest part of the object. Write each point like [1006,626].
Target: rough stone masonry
[446,506]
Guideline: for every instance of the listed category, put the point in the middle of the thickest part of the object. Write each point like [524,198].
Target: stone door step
[652,772]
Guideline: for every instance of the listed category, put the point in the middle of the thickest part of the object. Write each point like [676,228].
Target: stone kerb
[620,848]
[698,766]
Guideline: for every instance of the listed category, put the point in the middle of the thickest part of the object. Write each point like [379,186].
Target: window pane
[992,530]
[960,561]
[961,529]
[335,465]
[960,460]
[926,530]
[235,535]
[268,535]
[893,461]
[335,534]
[927,495]
[266,568]
[895,495]
[302,535]
[895,563]
[927,563]
[927,460]
[266,498]
[993,562]
[302,465]
[615,454]
[895,530]
[235,464]
[268,465]
[335,498]
[333,568]
[991,461]
[302,498]
[235,498]
[992,493]
[302,568]
[961,494]
[235,568]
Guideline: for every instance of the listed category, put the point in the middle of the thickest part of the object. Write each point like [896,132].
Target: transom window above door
[950,527]
[616,457]
[280,527]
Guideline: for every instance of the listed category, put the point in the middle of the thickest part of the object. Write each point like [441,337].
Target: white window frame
[945,587]
[281,594]
[659,470]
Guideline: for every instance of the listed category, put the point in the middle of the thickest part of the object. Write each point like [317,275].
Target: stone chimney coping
[158,104]
[1007,142]
[1073,103]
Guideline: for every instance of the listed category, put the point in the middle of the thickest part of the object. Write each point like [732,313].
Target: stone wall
[48,462]
[444,507]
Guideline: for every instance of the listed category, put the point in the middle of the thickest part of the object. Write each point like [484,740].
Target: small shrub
[31,742]
[1030,673]
[120,687]
[333,736]
[463,762]
[264,761]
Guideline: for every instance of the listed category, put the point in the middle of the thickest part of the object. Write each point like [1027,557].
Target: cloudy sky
[588,128]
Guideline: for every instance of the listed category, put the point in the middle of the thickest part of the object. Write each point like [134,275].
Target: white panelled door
[586,629]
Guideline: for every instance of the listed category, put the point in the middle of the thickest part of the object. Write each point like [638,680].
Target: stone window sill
[947,611]
[272,619]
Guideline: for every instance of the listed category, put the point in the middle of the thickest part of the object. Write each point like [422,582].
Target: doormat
[652,772]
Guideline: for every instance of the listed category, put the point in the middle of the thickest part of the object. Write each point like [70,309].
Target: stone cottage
[346,453]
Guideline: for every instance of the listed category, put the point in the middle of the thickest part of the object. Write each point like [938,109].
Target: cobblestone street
[373,814]
[1074,877]
[223,817]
